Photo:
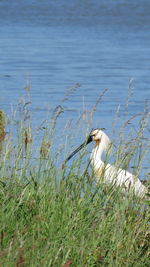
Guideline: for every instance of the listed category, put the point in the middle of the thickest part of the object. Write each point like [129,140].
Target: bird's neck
[96,156]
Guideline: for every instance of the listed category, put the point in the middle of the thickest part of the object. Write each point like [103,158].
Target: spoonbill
[108,173]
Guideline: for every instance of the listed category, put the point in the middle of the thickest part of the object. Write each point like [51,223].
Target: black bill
[89,140]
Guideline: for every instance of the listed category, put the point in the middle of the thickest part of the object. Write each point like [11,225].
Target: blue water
[57,44]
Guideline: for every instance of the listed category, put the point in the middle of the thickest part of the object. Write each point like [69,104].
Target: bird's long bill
[86,142]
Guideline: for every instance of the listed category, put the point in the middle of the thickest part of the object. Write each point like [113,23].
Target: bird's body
[107,173]
[110,174]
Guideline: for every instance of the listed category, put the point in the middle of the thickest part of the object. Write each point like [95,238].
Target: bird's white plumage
[111,174]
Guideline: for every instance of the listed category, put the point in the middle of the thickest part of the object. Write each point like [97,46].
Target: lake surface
[58,44]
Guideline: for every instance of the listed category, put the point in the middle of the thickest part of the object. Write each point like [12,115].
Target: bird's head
[100,137]
[96,135]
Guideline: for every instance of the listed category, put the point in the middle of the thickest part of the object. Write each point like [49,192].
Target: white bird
[106,172]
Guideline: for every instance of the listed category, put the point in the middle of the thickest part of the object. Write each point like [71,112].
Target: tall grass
[60,217]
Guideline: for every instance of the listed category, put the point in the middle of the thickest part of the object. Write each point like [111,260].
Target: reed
[51,216]
[2,129]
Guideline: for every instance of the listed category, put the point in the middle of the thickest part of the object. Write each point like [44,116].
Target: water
[56,44]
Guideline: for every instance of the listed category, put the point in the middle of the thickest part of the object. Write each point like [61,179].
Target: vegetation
[51,216]
[2,128]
